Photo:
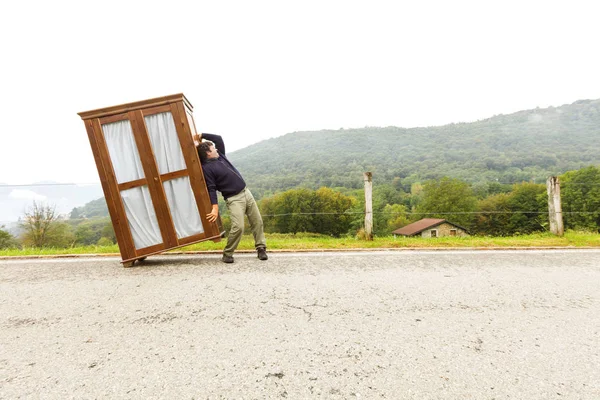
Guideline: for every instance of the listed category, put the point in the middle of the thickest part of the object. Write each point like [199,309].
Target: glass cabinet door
[173,174]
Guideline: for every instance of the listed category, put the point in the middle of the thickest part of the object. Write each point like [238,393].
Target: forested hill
[526,145]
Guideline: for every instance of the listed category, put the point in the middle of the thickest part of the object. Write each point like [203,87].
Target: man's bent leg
[255,220]
[236,206]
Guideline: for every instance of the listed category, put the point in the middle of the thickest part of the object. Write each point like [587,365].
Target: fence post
[554,207]
[368,179]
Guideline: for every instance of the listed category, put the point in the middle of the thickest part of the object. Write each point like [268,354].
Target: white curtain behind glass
[123,151]
[165,142]
[141,217]
[167,150]
[184,210]
[125,159]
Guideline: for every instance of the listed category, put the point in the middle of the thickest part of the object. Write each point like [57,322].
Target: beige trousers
[239,205]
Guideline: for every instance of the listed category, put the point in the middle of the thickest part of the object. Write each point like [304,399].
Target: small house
[430,228]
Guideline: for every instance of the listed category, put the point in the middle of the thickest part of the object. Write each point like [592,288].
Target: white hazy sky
[259,69]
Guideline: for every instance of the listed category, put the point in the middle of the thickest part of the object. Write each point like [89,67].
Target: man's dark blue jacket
[220,174]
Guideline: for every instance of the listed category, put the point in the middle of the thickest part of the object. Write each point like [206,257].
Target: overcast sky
[254,70]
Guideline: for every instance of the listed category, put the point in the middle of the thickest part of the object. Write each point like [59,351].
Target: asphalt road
[371,325]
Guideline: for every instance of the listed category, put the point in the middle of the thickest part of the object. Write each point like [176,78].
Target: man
[221,175]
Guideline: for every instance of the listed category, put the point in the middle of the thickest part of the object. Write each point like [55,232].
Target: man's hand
[212,217]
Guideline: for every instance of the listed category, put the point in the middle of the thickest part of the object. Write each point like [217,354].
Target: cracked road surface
[371,325]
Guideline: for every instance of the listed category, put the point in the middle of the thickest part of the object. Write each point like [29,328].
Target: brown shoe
[262,253]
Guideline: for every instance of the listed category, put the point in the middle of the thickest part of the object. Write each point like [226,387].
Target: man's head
[206,151]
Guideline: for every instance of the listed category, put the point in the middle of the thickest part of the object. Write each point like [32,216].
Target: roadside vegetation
[495,215]
[317,242]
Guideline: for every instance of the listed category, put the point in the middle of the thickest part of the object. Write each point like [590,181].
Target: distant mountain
[92,209]
[526,145]
[14,200]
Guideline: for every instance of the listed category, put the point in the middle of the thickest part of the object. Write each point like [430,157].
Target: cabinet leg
[128,264]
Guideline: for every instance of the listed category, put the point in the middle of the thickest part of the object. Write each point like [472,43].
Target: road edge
[382,249]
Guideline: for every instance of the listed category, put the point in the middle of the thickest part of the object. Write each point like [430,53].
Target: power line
[561,183]
[431,213]
[579,183]
[50,184]
[98,183]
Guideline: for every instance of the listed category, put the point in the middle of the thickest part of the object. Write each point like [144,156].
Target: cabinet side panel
[192,160]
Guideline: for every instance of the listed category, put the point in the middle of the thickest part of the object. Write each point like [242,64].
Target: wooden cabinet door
[179,174]
[133,182]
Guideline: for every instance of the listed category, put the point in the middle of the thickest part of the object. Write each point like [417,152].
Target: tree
[384,195]
[580,198]
[450,199]
[528,203]
[7,241]
[108,232]
[104,241]
[521,211]
[304,210]
[494,215]
[486,189]
[332,206]
[84,235]
[395,215]
[43,228]
[88,232]
[290,211]
[416,195]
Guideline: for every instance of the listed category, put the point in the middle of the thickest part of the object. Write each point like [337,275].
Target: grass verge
[307,241]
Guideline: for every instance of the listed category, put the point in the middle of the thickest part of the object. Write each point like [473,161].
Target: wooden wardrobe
[151,175]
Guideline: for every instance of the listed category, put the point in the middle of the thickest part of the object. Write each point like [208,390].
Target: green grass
[36,251]
[306,241]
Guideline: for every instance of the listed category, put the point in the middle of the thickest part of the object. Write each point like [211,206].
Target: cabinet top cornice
[123,108]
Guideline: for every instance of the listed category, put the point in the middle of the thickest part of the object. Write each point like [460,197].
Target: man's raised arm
[217,140]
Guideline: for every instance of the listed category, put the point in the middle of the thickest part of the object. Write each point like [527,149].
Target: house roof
[421,225]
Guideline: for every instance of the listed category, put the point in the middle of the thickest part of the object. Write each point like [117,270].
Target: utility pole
[554,206]
[368,179]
